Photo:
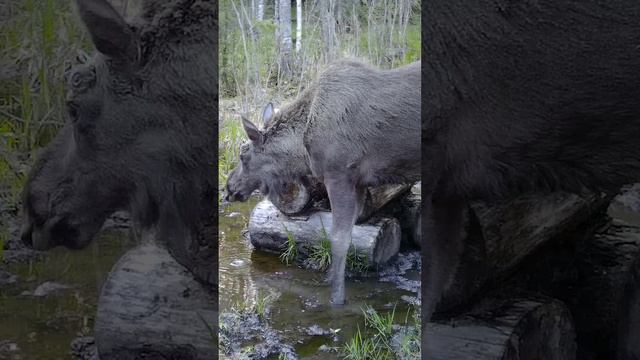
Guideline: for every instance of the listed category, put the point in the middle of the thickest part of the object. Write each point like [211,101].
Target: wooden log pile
[375,238]
[576,255]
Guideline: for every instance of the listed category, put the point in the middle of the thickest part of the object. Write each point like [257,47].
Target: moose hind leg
[343,197]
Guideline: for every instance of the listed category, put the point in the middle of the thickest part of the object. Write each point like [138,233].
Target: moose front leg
[344,198]
[443,242]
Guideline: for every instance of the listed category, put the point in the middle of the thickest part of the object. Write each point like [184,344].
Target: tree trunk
[260,10]
[328,20]
[284,45]
[151,307]
[518,328]
[377,240]
[298,25]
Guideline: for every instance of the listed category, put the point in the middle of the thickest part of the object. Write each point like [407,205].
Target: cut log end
[519,328]
[151,307]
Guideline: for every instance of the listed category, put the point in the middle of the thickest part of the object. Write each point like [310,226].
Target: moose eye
[82,78]
[76,80]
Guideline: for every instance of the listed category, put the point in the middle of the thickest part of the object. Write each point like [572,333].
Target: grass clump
[230,138]
[359,348]
[357,261]
[259,307]
[320,252]
[381,339]
[41,40]
[290,249]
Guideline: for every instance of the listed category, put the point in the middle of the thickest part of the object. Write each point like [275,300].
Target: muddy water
[299,297]
[43,327]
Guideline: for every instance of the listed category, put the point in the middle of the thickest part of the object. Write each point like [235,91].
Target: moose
[355,126]
[139,136]
[522,96]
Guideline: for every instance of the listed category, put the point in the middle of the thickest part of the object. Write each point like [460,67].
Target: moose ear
[110,33]
[267,114]
[252,131]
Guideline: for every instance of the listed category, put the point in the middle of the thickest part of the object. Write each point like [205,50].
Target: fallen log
[606,299]
[522,328]
[376,241]
[499,236]
[298,199]
[598,278]
[151,307]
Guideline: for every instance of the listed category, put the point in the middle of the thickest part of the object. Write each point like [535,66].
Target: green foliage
[386,34]
[290,249]
[320,253]
[382,324]
[357,261]
[414,43]
[39,40]
[359,348]
[410,339]
[230,137]
[375,342]
[259,306]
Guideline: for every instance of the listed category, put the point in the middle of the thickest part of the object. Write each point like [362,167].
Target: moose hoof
[337,296]
[337,302]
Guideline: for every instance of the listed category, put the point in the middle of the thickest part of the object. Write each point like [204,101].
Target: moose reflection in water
[354,127]
[140,135]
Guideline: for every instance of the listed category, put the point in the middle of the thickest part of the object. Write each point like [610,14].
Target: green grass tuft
[357,261]
[290,249]
[320,253]
[376,341]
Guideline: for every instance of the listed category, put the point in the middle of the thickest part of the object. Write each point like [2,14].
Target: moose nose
[26,230]
[25,235]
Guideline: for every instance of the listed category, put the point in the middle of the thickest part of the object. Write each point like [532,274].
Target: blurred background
[270,49]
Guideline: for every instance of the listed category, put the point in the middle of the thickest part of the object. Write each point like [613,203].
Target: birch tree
[260,10]
[328,21]
[284,35]
[298,25]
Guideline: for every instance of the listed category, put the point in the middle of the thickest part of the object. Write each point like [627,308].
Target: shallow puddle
[43,327]
[298,306]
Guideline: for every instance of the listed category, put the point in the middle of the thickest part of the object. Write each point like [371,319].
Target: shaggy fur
[356,126]
[523,96]
[141,135]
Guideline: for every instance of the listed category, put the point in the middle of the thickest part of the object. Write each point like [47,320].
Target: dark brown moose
[140,135]
[354,127]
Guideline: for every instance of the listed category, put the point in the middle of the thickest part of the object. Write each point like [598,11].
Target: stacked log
[516,327]
[152,307]
[269,229]
[500,236]
[588,262]
[298,199]
[302,212]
